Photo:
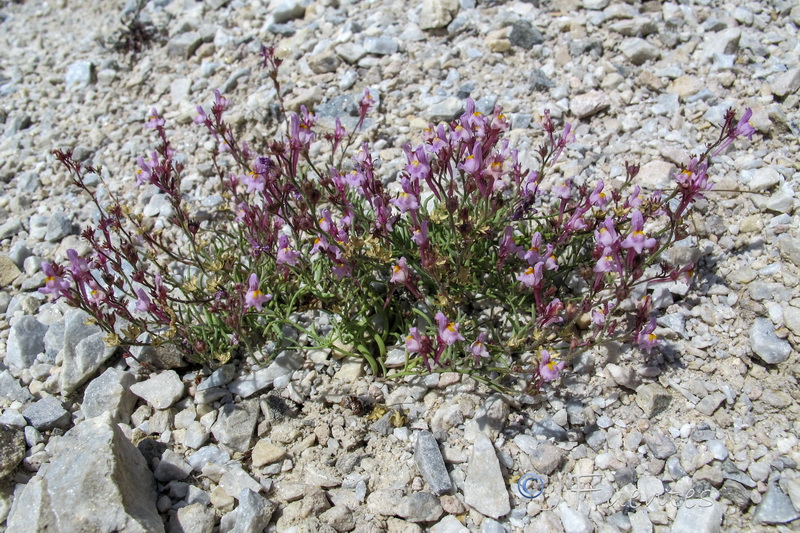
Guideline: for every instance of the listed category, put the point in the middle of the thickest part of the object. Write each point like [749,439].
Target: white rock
[161,390]
[485,489]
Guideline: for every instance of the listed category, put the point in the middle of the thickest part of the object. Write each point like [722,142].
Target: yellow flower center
[651,337]
[396,269]
[638,233]
[529,271]
[257,293]
[49,279]
[451,327]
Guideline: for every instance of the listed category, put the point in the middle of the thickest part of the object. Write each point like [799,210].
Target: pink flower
[473,163]
[448,331]
[418,167]
[420,236]
[255,182]
[53,282]
[562,190]
[743,128]
[154,121]
[598,198]
[606,236]
[400,272]
[532,276]
[254,297]
[79,267]
[143,302]
[606,263]
[478,348]
[646,339]
[637,239]
[414,341]
[549,370]
[286,256]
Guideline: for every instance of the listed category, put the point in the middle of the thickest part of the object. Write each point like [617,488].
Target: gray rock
[698,516]
[284,364]
[11,390]
[763,178]
[484,487]
[624,376]
[219,377]
[339,517]
[574,521]
[165,356]
[549,429]
[324,62]
[674,467]
[208,455]
[253,514]
[653,399]
[736,493]
[196,435]
[710,403]
[596,5]
[289,10]
[430,463]
[235,425]
[184,45]
[437,14]
[419,507]
[789,248]
[350,52]
[524,35]
[634,27]
[25,342]
[721,43]
[110,393]
[46,414]
[775,508]
[539,81]
[766,345]
[194,517]
[445,110]
[381,46]
[172,467]
[230,84]
[84,350]
[58,227]
[161,390]
[10,228]
[588,104]
[638,51]
[786,83]
[674,321]
[546,458]
[659,443]
[80,74]
[12,450]
[96,481]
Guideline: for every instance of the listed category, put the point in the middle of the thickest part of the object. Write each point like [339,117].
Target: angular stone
[265,453]
[25,342]
[574,521]
[46,414]
[285,363]
[110,392]
[339,517]
[350,52]
[172,467]
[587,104]
[698,516]
[659,443]
[324,62]
[710,403]
[484,488]
[653,399]
[635,27]
[381,46]
[12,450]
[161,390]
[786,83]
[546,458]
[775,508]
[766,345]
[195,517]
[253,514]
[419,507]
[96,481]
[789,248]
[524,35]
[430,463]
[736,493]
[638,51]
[235,425]
[80,74]
[11,390]
[235,480]
[289,10]
[437,13]
[444,110]
[655,174]
[208,455]
[84,350]
[184,44]
[8,271]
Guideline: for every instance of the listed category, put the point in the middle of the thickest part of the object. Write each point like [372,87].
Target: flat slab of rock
[161,390]
[96,481]
[485,488]
[430,463]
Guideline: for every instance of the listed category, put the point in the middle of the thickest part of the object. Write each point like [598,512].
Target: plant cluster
[476,265]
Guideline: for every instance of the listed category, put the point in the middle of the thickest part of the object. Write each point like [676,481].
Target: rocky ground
[700,436]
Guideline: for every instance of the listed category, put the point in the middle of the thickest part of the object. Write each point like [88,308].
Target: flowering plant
[474,264]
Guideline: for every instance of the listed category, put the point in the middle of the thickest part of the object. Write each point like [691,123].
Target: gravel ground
[699,436]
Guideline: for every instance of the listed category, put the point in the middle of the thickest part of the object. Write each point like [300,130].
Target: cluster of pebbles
[700,436]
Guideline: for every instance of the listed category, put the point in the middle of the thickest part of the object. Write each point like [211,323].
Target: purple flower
[743,128]
[154,121]
[549,370]
[286,256]
[407,200]
[79,267]
[606,263]
[53,282]
[418,167]
[420,236]
[143,302]
[448,331]
[532,276]
[400,272]
[562,190]
[254,297]
[637,239]
[478,348]
[255,182]
[646,339]
[606,236]
[144,173]
[473,163]
[415,341]
[598,198]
